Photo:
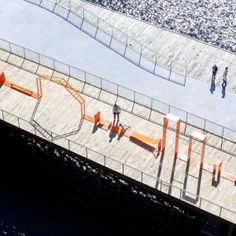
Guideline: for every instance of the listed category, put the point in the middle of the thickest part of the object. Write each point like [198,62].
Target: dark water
[57,193]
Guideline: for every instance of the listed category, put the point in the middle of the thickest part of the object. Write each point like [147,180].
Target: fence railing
[123,168]
[113,38]
[218,135]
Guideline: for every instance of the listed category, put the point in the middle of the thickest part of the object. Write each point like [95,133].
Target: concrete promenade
[50,35]
[56,116]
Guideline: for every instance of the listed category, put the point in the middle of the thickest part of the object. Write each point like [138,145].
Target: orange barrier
[200,137]
[68,87]
[2,78]
[171,118]
[89,118]
[229,177]
[21,89]
[120,129]
[17,87]
[217,168]
[97,117]
[107,124]
[39,92]
[147,139]
[144,138]
[39,88]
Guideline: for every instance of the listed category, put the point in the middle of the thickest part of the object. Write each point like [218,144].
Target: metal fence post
[69,70]
[154,70]
[104,160]
[100,82]
[169,108]
[139,61]
[186,122]
[170,69]
[149,116]
[67,15]
[126,45]
[3,115]
[220,211]
[10,47]
[95,35]
[186,74]
[39,59]
[51,137]
[24,52]
[222,138]
[185,127]
[53,7]
[204,126]
[18,119]
[117,91]
[111,37]
[200,204]
[134,102]
[82,18]
[85,77]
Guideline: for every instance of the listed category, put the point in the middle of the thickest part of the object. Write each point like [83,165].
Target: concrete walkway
[39,30]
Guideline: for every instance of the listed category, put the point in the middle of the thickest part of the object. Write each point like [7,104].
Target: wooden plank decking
[59,112]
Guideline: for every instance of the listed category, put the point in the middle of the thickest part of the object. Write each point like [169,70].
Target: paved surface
[58,112]
[42,31]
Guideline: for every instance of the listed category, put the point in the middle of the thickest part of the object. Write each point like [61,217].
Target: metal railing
[124,169]
[113,38]
[218,135]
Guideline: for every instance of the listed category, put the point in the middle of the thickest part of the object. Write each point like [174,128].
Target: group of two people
[225,75]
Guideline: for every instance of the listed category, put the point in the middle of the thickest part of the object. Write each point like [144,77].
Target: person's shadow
[112,135]
[213,87]
[223,91]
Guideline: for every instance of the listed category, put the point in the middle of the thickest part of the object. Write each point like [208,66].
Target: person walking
[214,72]
[116,113]
[225,74]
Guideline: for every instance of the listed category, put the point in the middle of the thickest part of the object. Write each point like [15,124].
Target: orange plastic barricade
[98,120]
[147,139]
[22,89]
[217,168]
[89,118]
[97,117]
[171,118]
[2,78]
[144,138]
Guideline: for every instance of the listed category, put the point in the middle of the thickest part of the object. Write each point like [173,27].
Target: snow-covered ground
[212,21]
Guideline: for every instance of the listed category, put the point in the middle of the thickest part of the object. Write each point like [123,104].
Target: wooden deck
[58,112]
